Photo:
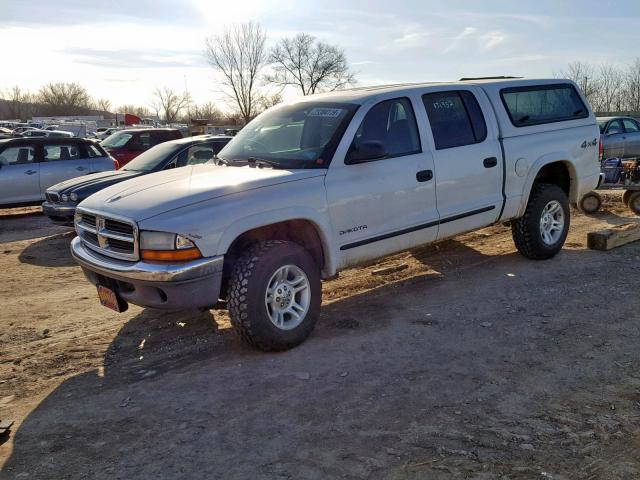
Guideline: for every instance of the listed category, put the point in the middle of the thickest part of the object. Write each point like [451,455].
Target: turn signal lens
[171,255]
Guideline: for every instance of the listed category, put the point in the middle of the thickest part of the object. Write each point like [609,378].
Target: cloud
[492,39]
[130,58]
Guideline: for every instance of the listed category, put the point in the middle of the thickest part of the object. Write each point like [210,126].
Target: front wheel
[274,295]
[541,232]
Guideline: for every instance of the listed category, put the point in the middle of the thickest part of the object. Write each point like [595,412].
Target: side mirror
[366,152]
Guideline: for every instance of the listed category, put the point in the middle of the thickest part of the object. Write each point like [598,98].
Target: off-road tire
[526,229]
[591,202]
[634,202]
[626,195]
[247,286]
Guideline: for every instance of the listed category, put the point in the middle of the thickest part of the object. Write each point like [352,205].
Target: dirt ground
[470,363]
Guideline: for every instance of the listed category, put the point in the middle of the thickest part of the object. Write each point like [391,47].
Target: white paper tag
[325,112]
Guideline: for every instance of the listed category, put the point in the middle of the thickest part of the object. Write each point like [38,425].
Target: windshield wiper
[254,161]
[220,161]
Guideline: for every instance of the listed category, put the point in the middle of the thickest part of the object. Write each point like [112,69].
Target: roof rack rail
[502,77]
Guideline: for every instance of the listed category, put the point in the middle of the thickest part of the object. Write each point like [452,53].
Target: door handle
[424,175]
[30,172]
[81,168]
[490,162]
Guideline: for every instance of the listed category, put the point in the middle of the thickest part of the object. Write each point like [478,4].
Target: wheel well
[555,173]
[302,232]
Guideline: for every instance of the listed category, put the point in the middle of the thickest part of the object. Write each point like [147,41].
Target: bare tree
[136,110]
[206,110]
[632,87]
[103,104]
[64,98]
[170,104]
[309,64]
[586,77]
[268,101]
[610,91]
[18,102]
[239,54]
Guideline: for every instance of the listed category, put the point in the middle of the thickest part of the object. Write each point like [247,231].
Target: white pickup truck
[311,187]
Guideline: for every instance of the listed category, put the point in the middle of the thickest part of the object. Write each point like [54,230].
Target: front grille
[52,197]
[114,237]
[117,226]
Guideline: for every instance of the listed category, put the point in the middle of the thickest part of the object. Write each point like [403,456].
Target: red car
[125,145]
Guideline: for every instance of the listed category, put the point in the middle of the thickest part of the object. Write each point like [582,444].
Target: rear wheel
[541,232]
[274,295]
[634,202]
[591,202]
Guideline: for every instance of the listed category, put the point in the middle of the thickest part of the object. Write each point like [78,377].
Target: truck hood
[150,195]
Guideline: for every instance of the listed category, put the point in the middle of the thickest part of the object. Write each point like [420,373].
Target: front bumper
[170,286]
[59,213]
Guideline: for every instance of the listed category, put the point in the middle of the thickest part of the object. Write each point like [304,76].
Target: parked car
[63,197]
[21,130]
[333,180]
[46,133]
[620,137]
[28,166]
[103,133]
[6,132]
[125,145]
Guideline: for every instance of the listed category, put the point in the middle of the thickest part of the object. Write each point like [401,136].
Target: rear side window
[391,123]
[615,127]
[536,105]
[630,126]
[16,155]
[455,117]
[60,152]
[93,151]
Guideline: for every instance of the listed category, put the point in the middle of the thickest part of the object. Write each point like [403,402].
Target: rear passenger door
[467,158]
[60,161]
[19,179]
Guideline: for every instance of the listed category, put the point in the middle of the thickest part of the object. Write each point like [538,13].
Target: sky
[123,49]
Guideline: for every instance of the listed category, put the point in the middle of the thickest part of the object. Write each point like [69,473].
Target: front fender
[271,217]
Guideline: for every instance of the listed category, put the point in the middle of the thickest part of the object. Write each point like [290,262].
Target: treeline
[251,76]
[609,88]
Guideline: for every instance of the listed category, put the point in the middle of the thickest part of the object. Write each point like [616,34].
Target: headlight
[73,197]
[65,197]
[167,246]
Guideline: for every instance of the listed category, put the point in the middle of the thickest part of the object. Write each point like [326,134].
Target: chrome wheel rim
[552,222]
[288,297]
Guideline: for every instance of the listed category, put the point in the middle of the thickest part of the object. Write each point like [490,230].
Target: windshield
[152,158]
[116,140]
[303,135]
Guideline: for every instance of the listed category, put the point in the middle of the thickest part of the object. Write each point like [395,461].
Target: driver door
[382,205]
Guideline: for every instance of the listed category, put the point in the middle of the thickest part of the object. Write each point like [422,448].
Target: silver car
[620,137]
[28,166]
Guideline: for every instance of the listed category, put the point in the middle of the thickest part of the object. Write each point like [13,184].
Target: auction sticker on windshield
[325,112]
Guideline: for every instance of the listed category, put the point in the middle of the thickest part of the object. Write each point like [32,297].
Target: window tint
[615,126]
[540,104]
[144,140]
[455,117]
[391,123]
[16,156]
[61,151]
[630,125]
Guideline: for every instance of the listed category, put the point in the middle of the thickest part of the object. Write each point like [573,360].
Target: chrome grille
[114,237]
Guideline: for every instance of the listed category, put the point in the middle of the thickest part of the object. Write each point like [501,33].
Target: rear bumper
[170,286]
[59,213]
